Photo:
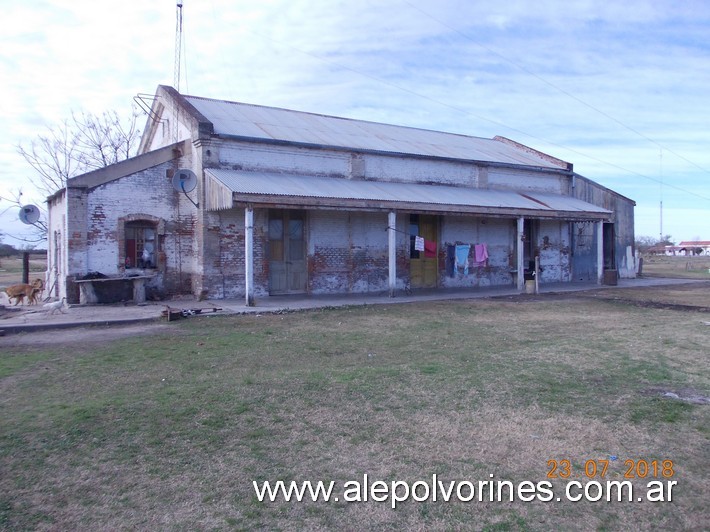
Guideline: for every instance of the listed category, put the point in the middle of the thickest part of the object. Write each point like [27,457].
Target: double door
[287,252]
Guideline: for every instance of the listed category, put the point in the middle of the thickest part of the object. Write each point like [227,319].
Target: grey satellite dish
[29,214]
[185,181]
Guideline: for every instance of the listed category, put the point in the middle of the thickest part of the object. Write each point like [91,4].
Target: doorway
[423,268]
[531,230]
[287,252]
[609,239]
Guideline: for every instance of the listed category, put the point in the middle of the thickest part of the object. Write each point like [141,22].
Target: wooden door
[287,252]
[423,270]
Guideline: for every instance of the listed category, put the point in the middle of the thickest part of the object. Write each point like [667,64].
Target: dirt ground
[86,335]
[690,297]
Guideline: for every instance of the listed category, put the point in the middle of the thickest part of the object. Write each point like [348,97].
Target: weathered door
[287,252]
[423,270]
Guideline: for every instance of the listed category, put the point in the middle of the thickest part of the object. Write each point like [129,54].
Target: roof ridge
[345,118]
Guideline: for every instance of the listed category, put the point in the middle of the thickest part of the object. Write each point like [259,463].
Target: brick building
[289,202]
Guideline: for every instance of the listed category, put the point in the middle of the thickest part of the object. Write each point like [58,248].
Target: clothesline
[457,257]
[459,254]
[398,231]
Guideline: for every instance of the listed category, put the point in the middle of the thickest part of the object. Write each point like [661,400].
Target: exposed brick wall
[348,252]
[554,247]
[499,236]
[96,227]
[224,267]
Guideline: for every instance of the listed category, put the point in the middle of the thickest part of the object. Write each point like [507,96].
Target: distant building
[288,202]
[694,247]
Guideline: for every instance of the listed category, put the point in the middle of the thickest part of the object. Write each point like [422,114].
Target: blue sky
[620,89]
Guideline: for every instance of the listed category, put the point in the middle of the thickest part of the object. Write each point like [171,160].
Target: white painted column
[392,248]
[520,234]
[600,252]
[249,255]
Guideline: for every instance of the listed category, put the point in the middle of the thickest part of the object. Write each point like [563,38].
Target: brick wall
[348,252]
[499,236]
[96,227]
[554,246]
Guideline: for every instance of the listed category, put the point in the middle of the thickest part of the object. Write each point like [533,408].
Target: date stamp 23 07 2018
[633,469]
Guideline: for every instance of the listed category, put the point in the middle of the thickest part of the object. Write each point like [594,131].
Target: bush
[6,250]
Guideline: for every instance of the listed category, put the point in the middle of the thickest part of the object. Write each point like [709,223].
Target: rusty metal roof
[246,186]
[275,124]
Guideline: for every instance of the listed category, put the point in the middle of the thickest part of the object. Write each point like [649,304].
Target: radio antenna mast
[178,45]
[178,62]
[660,166]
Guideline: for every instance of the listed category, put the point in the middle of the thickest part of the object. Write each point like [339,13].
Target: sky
[619,89]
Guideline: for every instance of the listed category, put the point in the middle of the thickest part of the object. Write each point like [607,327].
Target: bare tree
[85,142]
[78,145]
[105,140]
[39,231]
[644,243]
[667,240]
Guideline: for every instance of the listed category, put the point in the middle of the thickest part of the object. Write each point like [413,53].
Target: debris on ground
[172,314]
[686,397]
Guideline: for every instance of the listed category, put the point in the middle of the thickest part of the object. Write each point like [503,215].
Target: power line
[467,112]
[560,89]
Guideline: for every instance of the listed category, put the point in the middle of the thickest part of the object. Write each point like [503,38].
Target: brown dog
[21,291]
[38,285]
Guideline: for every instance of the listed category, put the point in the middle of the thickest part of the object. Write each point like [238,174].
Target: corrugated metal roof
[270,123]
[289,185]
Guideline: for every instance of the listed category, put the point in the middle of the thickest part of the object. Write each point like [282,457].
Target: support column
[600,252]
[249,255]
[520,243]
[392,248]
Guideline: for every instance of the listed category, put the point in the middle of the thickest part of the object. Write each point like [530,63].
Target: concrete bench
[87,292]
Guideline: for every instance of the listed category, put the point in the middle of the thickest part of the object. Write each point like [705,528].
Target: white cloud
[475,67]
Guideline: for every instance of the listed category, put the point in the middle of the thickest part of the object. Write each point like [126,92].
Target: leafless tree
[83,143]
[39,232]
[78,145]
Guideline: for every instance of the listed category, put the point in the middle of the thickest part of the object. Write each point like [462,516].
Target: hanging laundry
[419,243]
[462,251]
[480,254]
[429,249]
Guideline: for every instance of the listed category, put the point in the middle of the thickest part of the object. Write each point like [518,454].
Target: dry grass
[692,295]
[11,268]
[696,267]
[169,430]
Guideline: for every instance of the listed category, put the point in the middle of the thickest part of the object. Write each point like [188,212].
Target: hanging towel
[419,243]
[462,251]
[429,249]
[481,254]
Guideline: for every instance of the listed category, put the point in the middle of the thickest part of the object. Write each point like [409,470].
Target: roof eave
[274,201]
[127,167]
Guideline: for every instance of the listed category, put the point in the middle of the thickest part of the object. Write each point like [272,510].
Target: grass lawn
[695,267]
[168,430]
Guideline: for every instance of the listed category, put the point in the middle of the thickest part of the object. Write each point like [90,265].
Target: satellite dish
[184,180]
[29,214]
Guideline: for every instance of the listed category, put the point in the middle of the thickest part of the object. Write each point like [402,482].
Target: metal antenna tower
[178,46]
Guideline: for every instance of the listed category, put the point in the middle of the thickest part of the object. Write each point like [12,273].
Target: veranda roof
[226,189]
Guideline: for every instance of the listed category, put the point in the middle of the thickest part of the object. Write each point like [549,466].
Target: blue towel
[462,251]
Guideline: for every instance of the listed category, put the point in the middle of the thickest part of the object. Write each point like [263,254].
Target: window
[276,239]
[141,245]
